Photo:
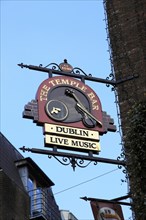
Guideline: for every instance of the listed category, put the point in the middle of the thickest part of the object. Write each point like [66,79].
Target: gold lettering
[83,88]
[77,85]
[91,95]
[45,87]
[43,98]
[57,81]
[64,81]
[72,83]
[52,82]
[94,101]
[95,107]
[44,93]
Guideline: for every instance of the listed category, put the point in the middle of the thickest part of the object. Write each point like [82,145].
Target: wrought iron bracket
[113,201]
[74,159]
[75,72]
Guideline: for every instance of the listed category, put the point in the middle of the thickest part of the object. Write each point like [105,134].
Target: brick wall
[126,20]
[127,32]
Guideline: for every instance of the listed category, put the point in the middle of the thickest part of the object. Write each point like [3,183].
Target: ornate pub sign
[71,115]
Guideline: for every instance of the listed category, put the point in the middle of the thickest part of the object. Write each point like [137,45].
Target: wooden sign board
[71,143]
[71,131]
[105,211]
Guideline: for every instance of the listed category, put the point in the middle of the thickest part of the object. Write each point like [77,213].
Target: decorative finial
[65,60]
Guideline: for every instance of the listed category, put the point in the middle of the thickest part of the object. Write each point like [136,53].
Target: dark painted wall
[14,202]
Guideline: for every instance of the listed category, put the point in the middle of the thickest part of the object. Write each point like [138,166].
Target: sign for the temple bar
[73,138]
[70,113]
[106,211]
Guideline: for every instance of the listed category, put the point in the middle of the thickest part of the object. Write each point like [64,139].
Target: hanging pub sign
[70,113]
[106,211]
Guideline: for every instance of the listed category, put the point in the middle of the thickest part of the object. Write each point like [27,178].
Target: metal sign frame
[66,69]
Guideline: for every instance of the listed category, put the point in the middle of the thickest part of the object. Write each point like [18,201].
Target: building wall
[126,24]
[13,197]
[127,32]
[67,215]
[17,200]
[12,200]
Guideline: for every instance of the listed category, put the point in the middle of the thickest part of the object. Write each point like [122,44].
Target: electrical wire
[104,174]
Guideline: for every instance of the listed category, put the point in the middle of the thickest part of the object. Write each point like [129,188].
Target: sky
[42,32]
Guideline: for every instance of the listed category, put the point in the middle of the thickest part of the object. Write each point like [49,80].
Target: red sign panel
[69,102]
